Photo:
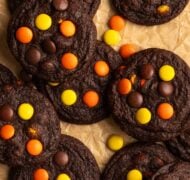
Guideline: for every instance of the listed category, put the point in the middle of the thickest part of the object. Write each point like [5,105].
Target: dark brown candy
[33,56]
[135,99]
[49,46]
[6,113]
[147,71]
[61,158]
[165,88]
[48,66]
[60,5]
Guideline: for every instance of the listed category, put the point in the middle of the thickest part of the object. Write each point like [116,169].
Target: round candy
[24,35]
[53,83]
[115,142]
[165,111]
[135,99]
[49,46]
[6,113]
[101,68]
[112,37]
[163,9]
[41,174]
[63,177]
[7,132]
[69,61]
[25,111]
[167,73]
[43,22]
[124,86]
[127,50]
[67,28]
[147,71]
[134,174]
[165,88]
[33,55]
[34,147]
[143,116]
[60,5]
[117,23]
[61,158]
[69,97]
[91,98]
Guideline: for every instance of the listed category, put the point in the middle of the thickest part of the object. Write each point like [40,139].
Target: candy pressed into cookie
[71,160]
[150,95]
[149,12]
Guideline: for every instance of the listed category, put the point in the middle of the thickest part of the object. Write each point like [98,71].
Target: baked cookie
[137,161]
[149,12]
[48,43]
[173,171]
[82,98]
[86,6]
[29,126]
[72,160]
[150,95]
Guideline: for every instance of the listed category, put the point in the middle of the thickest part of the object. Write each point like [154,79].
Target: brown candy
[61,158]
[6,113]
[135,99]
[147,71]
[60,5]
[48,66]
[33,56]
[49,46]
[165,88]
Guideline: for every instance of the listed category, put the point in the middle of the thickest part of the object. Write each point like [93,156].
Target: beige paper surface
[174,36]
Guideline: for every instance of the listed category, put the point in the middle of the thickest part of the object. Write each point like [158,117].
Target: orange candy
[117,23]
[41,174]
[24,35]
[91,98]
[34,147]
[101,68]
[67,28]
[127,50]
[124,86]
[69,61]
[7,132]
[165,111]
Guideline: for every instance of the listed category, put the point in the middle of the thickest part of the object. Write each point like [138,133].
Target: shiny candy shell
[25,111]
[69,97]
[115,142]
[143,116]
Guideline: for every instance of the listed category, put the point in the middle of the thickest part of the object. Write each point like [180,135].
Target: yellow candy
[143,116]
[115,142]
[69,97]
[43,22]
[112,37]
[53,83]
[134,174]
[163,9]
[25,111]
[63,177]
[167,73]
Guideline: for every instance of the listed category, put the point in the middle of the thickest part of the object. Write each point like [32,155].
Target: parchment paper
[174,36]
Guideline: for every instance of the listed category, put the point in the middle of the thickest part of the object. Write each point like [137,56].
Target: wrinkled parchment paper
[174,36]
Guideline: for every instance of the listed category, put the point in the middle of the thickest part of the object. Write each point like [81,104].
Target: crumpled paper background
[174,36]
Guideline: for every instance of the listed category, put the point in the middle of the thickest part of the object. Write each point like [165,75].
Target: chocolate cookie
[72,160]
[49,43]
[149,12]
[82,98]
[150,95]
[29,126]
[173,171]
[139,159]
[86,6]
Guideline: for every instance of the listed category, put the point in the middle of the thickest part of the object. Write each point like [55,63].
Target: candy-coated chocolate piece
[49,46]
[112,37]
[61,158]
[69,61]
[34,147]
[60,5]
[25,111]
[167,73]
[165,111]
[69,97]
[33,56]
[147,71]
[7,132]
[91,98]
[41,174]
[124,86]
[163,9]
[53,83]
[134,174]
[43,22]
[24,35]
[165,88]
[117,23]
[63,176]
[143,116]
[115,142]
[6,113]
[135,99]
[67,28]
[127,50]
[101,68]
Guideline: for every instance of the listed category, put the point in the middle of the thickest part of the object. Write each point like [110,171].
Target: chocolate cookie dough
[72,160]
[173,171]
[150,95]
[82,98]
[149,12]
[48,43]
[137,161]
[84,6]
[29,126]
